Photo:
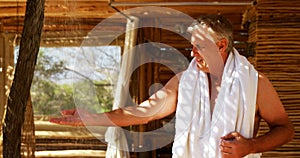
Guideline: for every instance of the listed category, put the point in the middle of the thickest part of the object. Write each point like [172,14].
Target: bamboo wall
[274,32]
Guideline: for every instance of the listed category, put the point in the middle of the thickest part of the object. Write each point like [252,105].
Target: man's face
[201,64]
[208,51]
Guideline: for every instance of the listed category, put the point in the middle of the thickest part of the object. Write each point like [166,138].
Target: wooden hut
[272,29]
[265,31]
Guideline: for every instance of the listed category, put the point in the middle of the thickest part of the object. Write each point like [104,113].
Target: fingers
[73,121]
[226,148]
[69,117]
[231,136]
[226,155]
[68,112]
[234,145]
[227,142]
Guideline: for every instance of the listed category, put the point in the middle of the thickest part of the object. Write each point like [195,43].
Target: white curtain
[115,136]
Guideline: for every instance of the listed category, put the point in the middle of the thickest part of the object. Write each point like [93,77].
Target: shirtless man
[206,46]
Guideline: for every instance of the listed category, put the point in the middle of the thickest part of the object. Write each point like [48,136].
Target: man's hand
[234,145]
[74,117]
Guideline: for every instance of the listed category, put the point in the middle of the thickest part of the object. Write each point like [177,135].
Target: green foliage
[104,95]
[95,97]
[49,96]
[47,67]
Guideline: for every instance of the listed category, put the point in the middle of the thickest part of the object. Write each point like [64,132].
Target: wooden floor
[61,141]
[71,154]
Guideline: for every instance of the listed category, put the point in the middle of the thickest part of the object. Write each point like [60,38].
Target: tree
[50,95]
[19,93]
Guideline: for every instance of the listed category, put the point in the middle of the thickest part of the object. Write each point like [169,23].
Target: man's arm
[160,104]
[272,111]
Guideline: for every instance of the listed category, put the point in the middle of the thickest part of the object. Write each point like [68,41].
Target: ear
[222,45]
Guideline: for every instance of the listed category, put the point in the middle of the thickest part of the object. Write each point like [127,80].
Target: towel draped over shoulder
[198,130]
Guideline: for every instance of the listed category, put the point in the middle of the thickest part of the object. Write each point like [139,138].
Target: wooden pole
[18,96]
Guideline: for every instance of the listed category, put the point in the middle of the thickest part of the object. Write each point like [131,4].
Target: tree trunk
[19,93]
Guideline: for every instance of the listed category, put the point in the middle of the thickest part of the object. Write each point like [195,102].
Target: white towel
[117,146]
[198,134]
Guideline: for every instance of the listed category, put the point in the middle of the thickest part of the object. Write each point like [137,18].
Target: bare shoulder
[266,93]
[269,104]
[263,79]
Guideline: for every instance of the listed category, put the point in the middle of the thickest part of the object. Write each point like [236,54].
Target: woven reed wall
[274,29]
[28,136]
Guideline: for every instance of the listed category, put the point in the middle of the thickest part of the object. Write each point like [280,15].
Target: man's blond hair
[221,26]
